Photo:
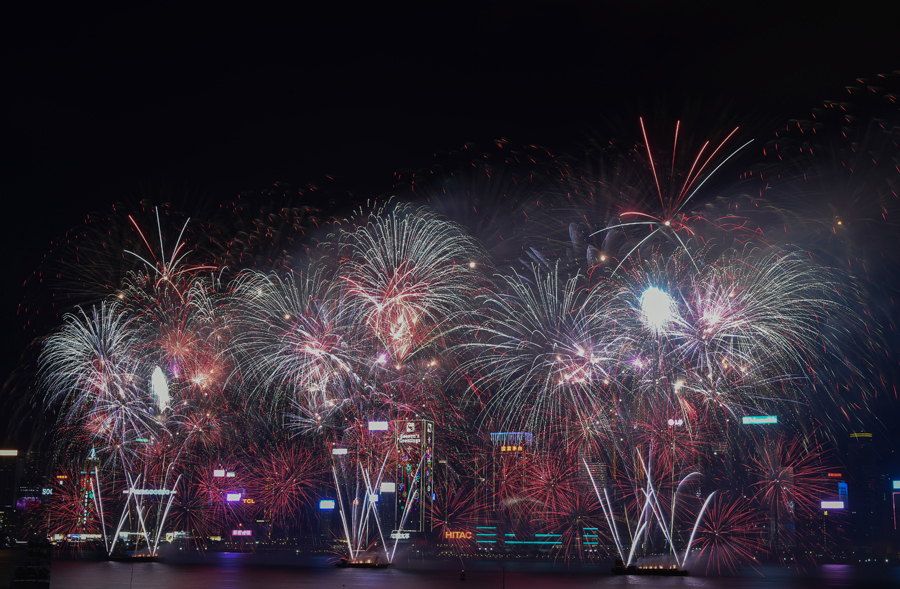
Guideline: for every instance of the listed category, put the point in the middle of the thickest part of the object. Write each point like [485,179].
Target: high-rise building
[88,518]
[413,484]
[10,473]
[863,492]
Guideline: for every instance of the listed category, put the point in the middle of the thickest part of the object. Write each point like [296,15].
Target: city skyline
[640,286]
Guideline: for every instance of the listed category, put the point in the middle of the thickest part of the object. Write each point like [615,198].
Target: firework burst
[730,535]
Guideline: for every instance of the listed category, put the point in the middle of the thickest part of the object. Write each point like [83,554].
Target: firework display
[592,384]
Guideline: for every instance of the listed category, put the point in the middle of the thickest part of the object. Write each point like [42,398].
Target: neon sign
[219,473]
[457,535]
[388,487]
[378,426]
[233,497]
[832,504]
[512,438]
[241,532]
[835,475]
[326,504]
[759,419]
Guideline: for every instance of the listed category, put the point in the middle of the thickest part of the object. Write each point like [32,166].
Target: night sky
[107,106]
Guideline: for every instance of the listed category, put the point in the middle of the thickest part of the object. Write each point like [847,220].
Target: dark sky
[99,103]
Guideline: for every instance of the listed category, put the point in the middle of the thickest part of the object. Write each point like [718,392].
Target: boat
[650,570]
[132,557]
[362,562]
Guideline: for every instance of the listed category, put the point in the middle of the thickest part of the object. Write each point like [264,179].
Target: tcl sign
[457,535]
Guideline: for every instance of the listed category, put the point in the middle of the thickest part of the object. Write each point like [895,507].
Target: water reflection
[227,570]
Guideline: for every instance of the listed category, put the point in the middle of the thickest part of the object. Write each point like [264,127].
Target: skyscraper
[10,472]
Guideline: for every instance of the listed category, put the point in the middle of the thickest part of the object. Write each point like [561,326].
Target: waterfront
[233,570]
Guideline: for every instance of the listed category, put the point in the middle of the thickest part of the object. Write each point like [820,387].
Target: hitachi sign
[457,535]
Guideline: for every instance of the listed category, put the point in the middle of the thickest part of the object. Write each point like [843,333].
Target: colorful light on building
[832,504]
[135,491]
[511,438]
[759,419]
[325,504]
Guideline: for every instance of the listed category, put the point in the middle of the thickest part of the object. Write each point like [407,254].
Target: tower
[414,478]
[87,516]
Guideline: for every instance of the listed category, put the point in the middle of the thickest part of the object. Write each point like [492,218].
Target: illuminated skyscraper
[862,493]
[414,479]
[88,518]
[10,472]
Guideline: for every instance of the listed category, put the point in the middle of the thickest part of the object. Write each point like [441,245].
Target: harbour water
[234,570]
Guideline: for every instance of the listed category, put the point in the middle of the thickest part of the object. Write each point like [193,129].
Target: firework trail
[295,341]
[730,535]
[90,370]
[285,478]
[625,201]
[791,481]
[627,362]
[409,276]
[545,350]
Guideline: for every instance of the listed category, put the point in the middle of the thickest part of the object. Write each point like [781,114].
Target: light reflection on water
[227,571]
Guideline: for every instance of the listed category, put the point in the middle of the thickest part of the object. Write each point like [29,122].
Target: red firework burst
[792,479]
[284,478]
[730,534]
